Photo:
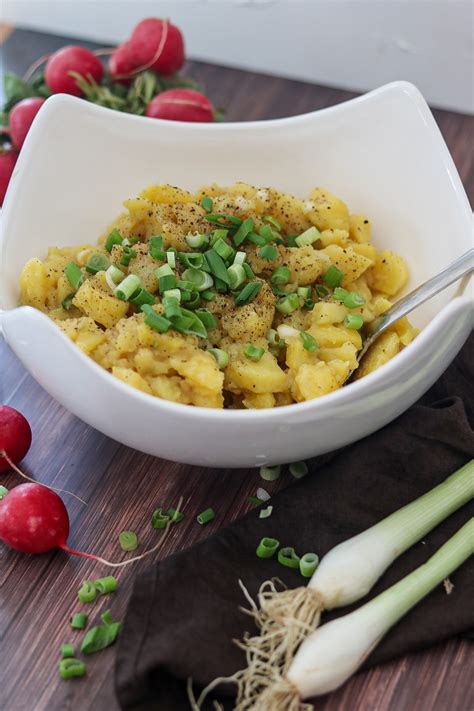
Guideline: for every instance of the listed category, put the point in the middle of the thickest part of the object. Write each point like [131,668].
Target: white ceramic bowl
[382,153]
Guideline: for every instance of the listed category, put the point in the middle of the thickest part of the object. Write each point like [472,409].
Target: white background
[353,44]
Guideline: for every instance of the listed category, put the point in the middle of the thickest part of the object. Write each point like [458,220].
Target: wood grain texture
[122,487]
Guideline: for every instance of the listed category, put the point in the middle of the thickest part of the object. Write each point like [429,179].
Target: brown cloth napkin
[184,611]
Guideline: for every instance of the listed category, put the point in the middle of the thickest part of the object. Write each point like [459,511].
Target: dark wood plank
[122,486]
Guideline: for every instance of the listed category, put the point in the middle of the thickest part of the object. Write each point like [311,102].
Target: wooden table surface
[122,486]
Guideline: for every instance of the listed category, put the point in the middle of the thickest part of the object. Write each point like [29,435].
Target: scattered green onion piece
[186,285]
[115,274]
[196,241]
[248,293]
[280,276]
[266,512]
[353,300]
[79,621]
[172,294]
[270,473]
[171,306]
[254,353]
[304,291]
[127,287]
[127,256]
[272,337]
[128,541]
[71,667]
[222,357]
[155,247]
[206,317]
[354,321]
[308,304]
[74,275]
[298,469]
[206,203]
[217,266]
[159,519]
[3,492]
[223,249]
[154,320]
[333,277]
[87,592]
[189,323]
[309,342]
[164,270]
[237,275]
[267,233]
[97,262]
[66,303]
[175,516]
[130,240]
[288,557]
[191,260]
[102,636]
[218,234]
[272,221]
[194,300]
[220,285]
[291,240]
[288,304]
[256,239]
[248,271]
[114,238]
[308,564]
[267,547]
[269,252]
[254,500]
[186,295]
[208,295]
[106,585]
[308,237]
[141,297]
[171,258]
[205,516]
[321,291]
[167,283]
[263,494]
[200,280]
[67,651]
[223,220]
[240,257]
[339,294]
[244,230]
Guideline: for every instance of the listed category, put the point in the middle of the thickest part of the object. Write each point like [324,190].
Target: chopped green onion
[206,203]
[308,564]
[186,285]
[66,303]
[267,547]
[248,293]
[175,516]
[196,241]
[222,357]
[97,262]
[208,295]
[223,249]
[248,271]
[288,304]
[102,636]
[172,294]
[244,230]
[266,512]
[272,221]
[127,255]
[237,275]
[352,299]
[114,238]
[171,306]
[79,621]
[171,258]
[218,234]
[127,287]
[74,275]
[106,585]
[309,342]
[321,291]
[206,317]
[115,274]
[200,280]
[130,240]
[194,300]
[272,337]
[67,651]
[189,323]
[128,541]
[254,500]
[308,237]
[71,667]
[268,252]
[154,320]
[87,592]
[217,266]
[263,494]
[159,519]
[304,292]
[270,473]
[267,233]
[308,304]
[191,260]
[298,469]
[155,247]
[141,297]
[280,276]
[222,220]
[167,282]
[240,257]
[206,516]
[291,240]
[288,557]
[354,321]
[164,270]
[3,492]
[333,277]
[254,353]
[257,239]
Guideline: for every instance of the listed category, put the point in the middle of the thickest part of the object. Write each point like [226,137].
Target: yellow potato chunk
[305,263]
[340,237]
[259,401]
[326,211]
[34,284]
[348,261]
[167,194]
[405,331]
[313,380]
[326,312]
[104,308]
[84,332]
[359,228]
[385,347]
[132,378]
[389,274]
[263,376]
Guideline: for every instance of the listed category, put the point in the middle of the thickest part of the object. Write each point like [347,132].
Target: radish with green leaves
[181,105]
[15,437]
[21,118]
[67,61]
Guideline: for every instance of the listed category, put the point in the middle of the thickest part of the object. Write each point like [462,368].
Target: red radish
[71,59]
[21,118]
[7,164]
[15,436]
[122,62]
[181,105]
[158,45]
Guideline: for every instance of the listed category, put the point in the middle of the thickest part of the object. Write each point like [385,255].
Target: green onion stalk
[285,619]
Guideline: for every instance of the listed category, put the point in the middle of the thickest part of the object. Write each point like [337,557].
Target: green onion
[66,303]
[220,285]
[281,276]
[127,256]
[155,247]
[171,306]
[256,239]
[194,300]
[267,547]
[154,320]
[217,266]
[127,287]
[309,342]
[218,234]
[79,621]
[266,512]
[333,277]
[87,592]
[3,492]
[206,317]
[164,270]
[272,221]
[196,241]
[172,294]
[354,321]
[67,651]
[321,291]
[114,238]
[291,240]
[298,469]
[304,292]
[71,667]
[115,274]
[171,258]
[191,260]
[267,233]
[208,295]
[106,585]
[102,636]
[159,519]
[248,271]
[74,275]
[240,257]
[200,280]
[175,516]
[353,300]
[308,564]
[222,220]
[270,473]
[189,323]
[97,263]
[130,240]
[254,500]
[141,297]
[206,203]
[308,304]
[237,275]
[308,237]
[186,285]
[205,516]
[288,558]
[223,249]
[288,304]
[254,353]
[167,283]
[128,541]
[272,337]
[268,252]
[222,357]
[248,293]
